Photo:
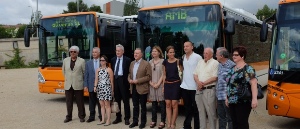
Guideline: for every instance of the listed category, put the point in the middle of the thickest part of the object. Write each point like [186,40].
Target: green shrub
[33,64]
[17,61]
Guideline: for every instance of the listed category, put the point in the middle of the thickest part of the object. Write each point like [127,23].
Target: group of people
[205,85]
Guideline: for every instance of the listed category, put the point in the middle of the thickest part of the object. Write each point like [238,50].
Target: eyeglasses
[154,67]
[73,52]
[235,54]
[102,60]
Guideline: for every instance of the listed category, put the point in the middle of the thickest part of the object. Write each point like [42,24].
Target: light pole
[37,16]
[77,5]
[32,18]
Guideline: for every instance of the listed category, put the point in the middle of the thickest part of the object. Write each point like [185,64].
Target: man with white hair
[120,65]
[73,70]
[89,80]
[205,75]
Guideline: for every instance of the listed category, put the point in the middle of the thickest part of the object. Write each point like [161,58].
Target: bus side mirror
[230,26]
[102,31]
[124,32]
[27,37]
[264,31]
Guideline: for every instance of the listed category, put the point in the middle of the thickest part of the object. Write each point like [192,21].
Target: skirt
[172,91]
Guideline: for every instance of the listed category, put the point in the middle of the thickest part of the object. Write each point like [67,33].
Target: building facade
[114,7]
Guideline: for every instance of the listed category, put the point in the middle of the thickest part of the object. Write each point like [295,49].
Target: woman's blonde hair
[161,55]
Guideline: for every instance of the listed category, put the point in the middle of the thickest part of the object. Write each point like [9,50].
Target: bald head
[208,53]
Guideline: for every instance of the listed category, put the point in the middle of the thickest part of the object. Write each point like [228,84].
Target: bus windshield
[285,54]
[59,34]
[174,26]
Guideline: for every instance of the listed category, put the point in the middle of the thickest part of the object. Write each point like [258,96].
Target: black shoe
[67,120]
[133,125]
[117,121]
[142,126]
[82,120]
[127,122]
[90,120]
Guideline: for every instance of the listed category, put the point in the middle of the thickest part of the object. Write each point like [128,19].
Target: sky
[13,12]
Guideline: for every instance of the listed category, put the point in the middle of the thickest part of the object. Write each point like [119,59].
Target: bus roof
[242,13]
[101,15]
[288,1]
[180,5]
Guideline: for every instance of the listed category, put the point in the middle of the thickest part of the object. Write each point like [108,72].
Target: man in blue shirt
[221,89]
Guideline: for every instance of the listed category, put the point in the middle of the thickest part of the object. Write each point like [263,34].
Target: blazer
[89,75]
[73,77]
[143,76]
[125,67]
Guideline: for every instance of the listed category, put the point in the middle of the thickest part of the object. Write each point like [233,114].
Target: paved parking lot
[22,106]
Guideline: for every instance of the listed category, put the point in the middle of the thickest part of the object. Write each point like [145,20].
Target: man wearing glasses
[73,70]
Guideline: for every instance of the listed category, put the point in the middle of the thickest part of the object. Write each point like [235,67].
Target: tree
[72,7]
[265,12]
[4,33]
[95,8]
[131,7]
[20,33]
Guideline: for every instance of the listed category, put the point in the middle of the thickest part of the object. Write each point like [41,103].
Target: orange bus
[206,24]
[283,92]
[59,32]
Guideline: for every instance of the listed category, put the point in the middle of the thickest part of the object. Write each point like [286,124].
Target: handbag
[114,107]
[246,93]
[179,70]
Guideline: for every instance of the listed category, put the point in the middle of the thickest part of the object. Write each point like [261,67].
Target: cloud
[17,11]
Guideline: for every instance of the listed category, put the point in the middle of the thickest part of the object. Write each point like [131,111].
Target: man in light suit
[73,70]
[139,77]
[89,78]
[120,65]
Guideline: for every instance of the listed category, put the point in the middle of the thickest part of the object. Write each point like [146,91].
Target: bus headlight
[275,94]
[281,97]
[41,79]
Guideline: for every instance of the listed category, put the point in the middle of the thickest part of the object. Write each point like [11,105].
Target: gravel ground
[22,106]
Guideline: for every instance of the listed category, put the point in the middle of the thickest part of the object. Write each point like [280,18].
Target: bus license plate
[59,90]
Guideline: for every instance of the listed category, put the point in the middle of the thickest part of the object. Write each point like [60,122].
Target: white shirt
[207,70]
[135,68]
[120,72]
[189,66]
[96,63]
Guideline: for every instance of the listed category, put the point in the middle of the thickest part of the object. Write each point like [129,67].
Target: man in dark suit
[139,77]
[120,65]
[89,79]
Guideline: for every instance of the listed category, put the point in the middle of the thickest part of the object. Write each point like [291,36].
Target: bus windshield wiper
[287,77]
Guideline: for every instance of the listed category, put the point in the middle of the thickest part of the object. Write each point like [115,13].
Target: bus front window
[59,34]
[285,54]
[174,26]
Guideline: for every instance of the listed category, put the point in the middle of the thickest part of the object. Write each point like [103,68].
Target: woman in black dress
[172,86]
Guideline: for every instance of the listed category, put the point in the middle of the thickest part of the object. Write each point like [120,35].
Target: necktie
[95,64]
[117,69]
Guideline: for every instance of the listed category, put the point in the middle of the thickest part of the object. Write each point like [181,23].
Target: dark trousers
[224,115]
[190,108]
[79,100]
[138,100]
[240,115]
[162,105]
[93,101]
[121,92]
